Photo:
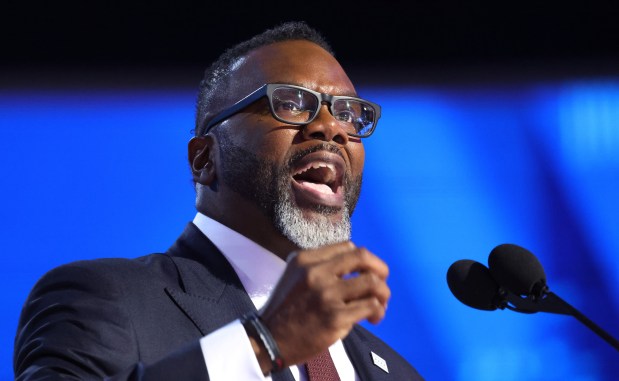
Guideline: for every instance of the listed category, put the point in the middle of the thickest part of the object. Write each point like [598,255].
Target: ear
[201,159]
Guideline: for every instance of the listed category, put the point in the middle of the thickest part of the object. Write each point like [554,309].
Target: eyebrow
[353,94]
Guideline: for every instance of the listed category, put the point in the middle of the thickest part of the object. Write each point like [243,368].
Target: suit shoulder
[110,274]
[87,310]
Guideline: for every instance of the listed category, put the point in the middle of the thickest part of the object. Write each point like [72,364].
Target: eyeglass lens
[299,106]
[294,105]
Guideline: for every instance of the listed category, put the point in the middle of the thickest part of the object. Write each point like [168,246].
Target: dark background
[416,40]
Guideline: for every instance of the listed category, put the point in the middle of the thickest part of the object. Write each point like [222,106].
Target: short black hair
[210,100]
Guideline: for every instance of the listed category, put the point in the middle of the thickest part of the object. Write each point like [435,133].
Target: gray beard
[309,233]
[268,186]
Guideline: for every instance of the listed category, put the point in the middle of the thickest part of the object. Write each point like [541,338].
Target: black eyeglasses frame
[268,89]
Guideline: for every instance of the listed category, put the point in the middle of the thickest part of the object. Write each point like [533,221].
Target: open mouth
[318,179]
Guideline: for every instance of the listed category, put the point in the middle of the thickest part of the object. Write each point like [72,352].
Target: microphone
[472,284]
[518,270]
[514,280]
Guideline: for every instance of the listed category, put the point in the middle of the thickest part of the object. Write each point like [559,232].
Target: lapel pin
[379,362]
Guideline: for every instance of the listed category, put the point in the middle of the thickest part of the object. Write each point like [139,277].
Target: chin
[323,212]
[312,226]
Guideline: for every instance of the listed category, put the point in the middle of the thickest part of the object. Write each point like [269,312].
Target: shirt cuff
[229,356]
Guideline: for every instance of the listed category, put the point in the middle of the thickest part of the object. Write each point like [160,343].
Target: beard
[267,184]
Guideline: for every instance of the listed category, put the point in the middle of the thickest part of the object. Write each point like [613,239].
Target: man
[265,281]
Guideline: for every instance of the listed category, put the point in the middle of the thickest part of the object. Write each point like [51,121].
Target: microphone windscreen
[517,269]
[472,284]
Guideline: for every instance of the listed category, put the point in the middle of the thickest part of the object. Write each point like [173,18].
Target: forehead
[297,62]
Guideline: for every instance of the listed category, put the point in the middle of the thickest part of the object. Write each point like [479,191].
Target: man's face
[306,179]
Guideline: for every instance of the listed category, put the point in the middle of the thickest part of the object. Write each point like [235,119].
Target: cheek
[263,139]
[357,158]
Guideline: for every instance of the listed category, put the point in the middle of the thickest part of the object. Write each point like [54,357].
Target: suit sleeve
[73,326]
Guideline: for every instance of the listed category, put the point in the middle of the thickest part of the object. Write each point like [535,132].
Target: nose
[325,127]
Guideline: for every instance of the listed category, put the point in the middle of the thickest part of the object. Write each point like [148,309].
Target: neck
[249,220]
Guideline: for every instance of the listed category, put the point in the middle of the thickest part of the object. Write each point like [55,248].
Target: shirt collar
[257,268]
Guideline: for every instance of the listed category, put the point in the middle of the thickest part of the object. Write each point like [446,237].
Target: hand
[321,295]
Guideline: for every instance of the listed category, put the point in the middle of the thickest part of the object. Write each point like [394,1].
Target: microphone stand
[551,302]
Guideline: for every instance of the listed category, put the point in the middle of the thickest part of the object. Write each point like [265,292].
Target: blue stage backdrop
[451,172]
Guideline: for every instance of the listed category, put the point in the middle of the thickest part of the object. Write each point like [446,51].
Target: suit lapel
[212,295]
[360,354]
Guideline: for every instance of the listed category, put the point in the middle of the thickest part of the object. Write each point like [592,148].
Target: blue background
[451,172]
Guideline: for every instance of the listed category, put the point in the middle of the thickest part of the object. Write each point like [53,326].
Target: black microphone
[515,280]
[518,270]
[472,284]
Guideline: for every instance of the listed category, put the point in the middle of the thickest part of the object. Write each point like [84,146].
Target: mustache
[297,156]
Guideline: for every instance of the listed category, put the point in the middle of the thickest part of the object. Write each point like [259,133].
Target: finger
[369,309]
[359,260]
[363,286]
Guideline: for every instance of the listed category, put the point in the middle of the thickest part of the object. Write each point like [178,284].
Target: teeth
[317,166]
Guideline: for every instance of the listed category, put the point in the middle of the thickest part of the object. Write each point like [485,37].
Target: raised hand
[321,295]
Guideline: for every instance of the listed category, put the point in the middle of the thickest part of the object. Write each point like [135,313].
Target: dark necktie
[322,368]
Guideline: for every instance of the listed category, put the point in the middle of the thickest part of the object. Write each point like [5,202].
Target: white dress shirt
[227,351]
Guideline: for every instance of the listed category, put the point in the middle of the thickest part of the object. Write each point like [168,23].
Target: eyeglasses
[299,106]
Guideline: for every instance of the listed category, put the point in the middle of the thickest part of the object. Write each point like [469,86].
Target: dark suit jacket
[143,318]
